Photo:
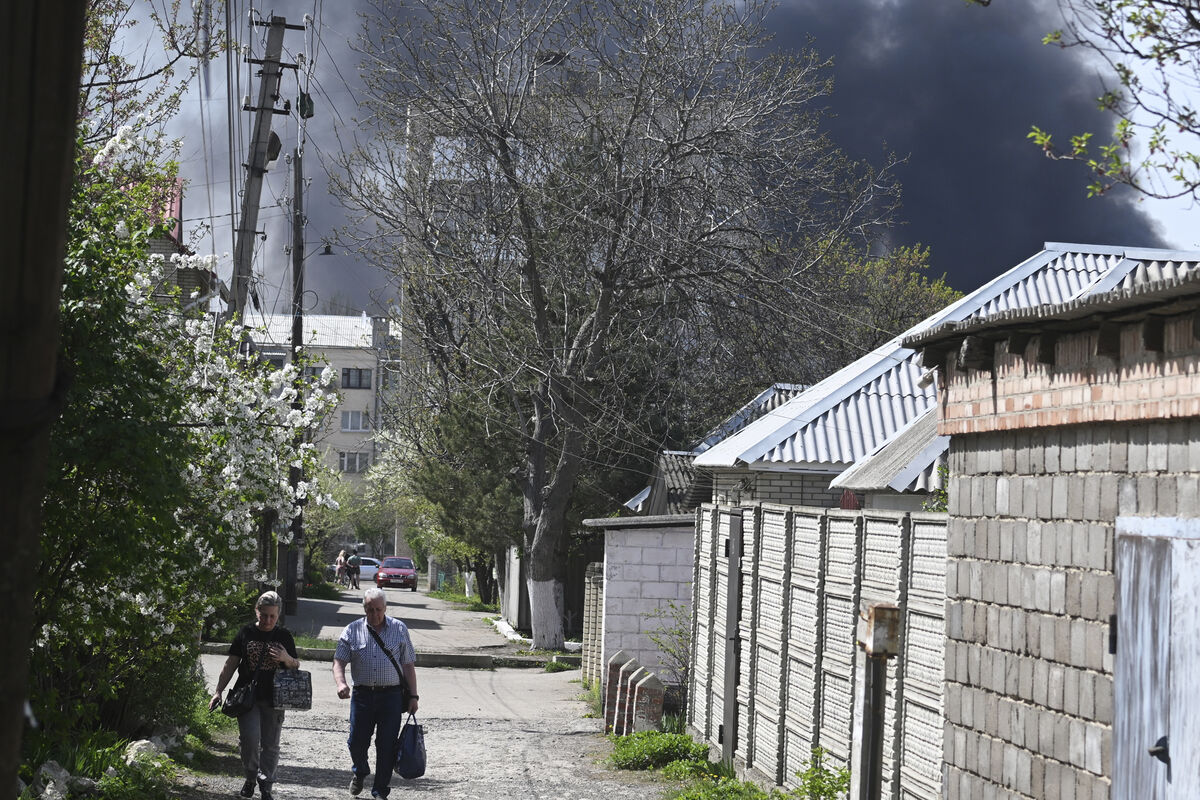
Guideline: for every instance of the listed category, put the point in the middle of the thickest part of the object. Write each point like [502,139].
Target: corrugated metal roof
[907,462]
[676,485]
[767,401]
[859,408]
[1148,284]
[320,330]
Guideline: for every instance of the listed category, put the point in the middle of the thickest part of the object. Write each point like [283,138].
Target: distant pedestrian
[352,565]
[339,568]
[256,652]
[382,662]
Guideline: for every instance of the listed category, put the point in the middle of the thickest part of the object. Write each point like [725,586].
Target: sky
[951,86]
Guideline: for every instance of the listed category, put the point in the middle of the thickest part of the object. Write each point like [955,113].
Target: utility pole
[288,555]
[264,147]
[260,145]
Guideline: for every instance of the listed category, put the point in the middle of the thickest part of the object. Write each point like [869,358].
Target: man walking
[353,565]
[382,663]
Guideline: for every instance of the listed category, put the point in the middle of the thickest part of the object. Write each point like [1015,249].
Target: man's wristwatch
[414,697]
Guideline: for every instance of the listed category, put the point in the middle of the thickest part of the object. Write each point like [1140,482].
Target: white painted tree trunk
[546,614]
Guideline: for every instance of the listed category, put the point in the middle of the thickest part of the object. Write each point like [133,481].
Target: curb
[504,629]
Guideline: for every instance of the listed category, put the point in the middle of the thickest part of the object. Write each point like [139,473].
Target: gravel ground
[507,733]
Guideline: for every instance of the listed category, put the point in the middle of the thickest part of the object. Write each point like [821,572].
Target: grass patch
[595,707]
[323,591]
[458,598]
[559,666]
[211,741]
[703,780]
[674,723]
[482,607]
[726,789]
[529,651]
[305,640]
[655,749]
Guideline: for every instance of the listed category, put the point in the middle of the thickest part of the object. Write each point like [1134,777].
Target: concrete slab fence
[777,671]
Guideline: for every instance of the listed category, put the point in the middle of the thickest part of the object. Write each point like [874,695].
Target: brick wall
[785,488]
[1034,495]
[1080,385]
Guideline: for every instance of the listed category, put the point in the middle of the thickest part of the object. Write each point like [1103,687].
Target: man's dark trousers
[378,712]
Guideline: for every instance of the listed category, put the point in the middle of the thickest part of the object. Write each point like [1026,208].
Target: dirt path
[504,733]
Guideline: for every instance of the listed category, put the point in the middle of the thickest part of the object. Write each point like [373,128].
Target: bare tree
[573,196]
[139,58]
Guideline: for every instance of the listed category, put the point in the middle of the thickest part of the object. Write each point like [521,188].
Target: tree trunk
[43,47]
[547,559]
[484,582]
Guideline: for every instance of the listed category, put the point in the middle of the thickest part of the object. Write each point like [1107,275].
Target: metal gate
[1156,724]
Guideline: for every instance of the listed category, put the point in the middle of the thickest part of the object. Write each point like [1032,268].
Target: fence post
[612,686]
[733,596]
[879,637]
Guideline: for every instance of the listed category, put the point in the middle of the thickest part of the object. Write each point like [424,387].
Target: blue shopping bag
[410,749]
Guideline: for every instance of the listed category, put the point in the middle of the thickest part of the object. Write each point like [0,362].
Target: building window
[314,373]
[354,462]
[355,421]
[354,378]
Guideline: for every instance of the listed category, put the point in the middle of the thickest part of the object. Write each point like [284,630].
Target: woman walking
[340,567]
[256,652]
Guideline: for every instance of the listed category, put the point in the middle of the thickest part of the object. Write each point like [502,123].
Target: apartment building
[357,349]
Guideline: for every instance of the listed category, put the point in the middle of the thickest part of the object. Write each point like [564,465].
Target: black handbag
[292,690]
[240,699]
[410,750]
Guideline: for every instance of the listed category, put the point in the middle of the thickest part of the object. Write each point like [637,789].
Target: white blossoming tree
[169,446]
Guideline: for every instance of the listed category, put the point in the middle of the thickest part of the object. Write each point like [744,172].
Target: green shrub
[100,755]
[690,771]
[559,666]
[654,749]
[230,614]
[144,779]
[725,789]
[709,781]
[88,756]
[821,782]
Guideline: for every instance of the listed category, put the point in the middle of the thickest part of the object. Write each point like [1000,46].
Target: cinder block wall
[1044,457]
[645,569]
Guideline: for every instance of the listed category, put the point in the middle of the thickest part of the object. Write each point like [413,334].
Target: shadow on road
[420,624]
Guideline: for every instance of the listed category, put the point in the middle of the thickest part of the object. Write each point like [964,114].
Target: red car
[397,571]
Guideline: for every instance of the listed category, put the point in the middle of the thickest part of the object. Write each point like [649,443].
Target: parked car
[397,571]
[367,569]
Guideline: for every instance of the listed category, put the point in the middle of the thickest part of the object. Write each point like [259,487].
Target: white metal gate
[1156,724]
